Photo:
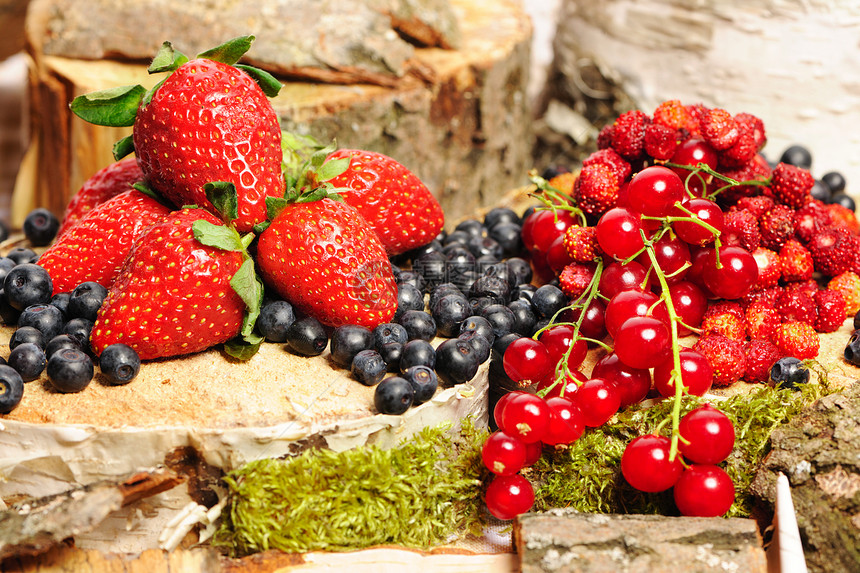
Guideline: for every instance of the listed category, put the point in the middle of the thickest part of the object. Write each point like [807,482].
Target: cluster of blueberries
[470,288]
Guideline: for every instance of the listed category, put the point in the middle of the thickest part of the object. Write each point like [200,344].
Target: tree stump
[458,118]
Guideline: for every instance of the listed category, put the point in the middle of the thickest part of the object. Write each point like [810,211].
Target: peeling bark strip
[563,540]
[35,526]
[336,41]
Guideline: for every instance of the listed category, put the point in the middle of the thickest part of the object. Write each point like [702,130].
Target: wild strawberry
[564,182]
[830,310]
[596,190]
[110,181]
[760,357]
[726,357]
[796,305]
[610,157]
[673,114]
[741,228]
[756,169]
[808,287]
[323,257]
[725,307]
[604,136]
[768,295]
[723,323]
[94,249]
[718,128]
[797,339]
[660,141]
[810,219]
[848,284]
[755,125]
[769,271]
[628,134]
[398,206]
[757,205]
[834,250]
[795,262]
[776,227]
[761,320]
[575,279]
[791,185]
[749,142]
[581,244]
[173,294]
[842,216]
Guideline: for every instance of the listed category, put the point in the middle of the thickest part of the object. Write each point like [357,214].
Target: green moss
[415,495]
[587,476]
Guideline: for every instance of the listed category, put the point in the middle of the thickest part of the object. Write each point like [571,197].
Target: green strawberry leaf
[167,59]
[261,226]
[241,349]
[332,168]
[223,196]
[123,147]
[114,107]
[218,236]
[144,188]
[148,97]
[249,288]
[230,51]
[274,206]
[267,82]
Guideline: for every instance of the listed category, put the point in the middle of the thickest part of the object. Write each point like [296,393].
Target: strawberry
[718,128]
[106,183]
[324,257]
[610,157]
[797,339]
[796,305]
[173,294]
[596,189]
[834,250]
[830,310]
[660,141]
[848,283]
[673,114]
[398,206]
[741,228]
[760,357]
[776,227]
[95,248]
[761,320]
[575,279]
[769,270]
[628,134]
[581,244]
[726,357]
[792,185]
[795,261]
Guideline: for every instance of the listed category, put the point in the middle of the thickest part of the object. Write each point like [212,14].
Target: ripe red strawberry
[596,189]
[564,182]
[842,216]
[398,206]
[726,357]
[95,248]
[610,157]
[810,219]
[723,323]
[210,122]
[791,185]
[768,295]
[776,227]
[761,320]
[796,305]
[575,279]
[830,310]
[628,134]
[741,228]
[848,283]
[795,262]
[324,257]
[108,182]
[760,356]
[757,205]
[797,339]
[660,141]
[834,250]
[172,295]
[718,128]
[581,244]
[675,115]
[769,270]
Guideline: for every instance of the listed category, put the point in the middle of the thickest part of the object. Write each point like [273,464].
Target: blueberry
[480,325]
[501,318]
[347,341]
[856,321]
[434,246]
[23,255]
[391,352]
[797,155]
[485,246]
[845,200]
[424,383]
[46,318]
[820,191]
[456,361]
[85,300]
[409,297]
[417,352]
[27,284]
[479,343]
[509,238]
[449,313]
[442,290]
[852,349]
[524,317]
[789,372]
[70,370]
[503,272]
[27,335]
[548,300]
[834,180]
[480,303]
[472,227]
[419,325]
[8,314]
[80,329]
[414,279]
[59,342]
[456,239]
[520,269]
[491,286]
[307,336]
[6,265]
[61,301]
[275,320]
[11,389]
[394,395]
[40,227]
[502,342]
[4,231]
[499,215]
[28,360]
[119,363]
[389,332]
[432,267]
[368,367]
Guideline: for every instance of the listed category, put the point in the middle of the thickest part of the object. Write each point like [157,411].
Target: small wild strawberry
[596,189]
[848,283]
[628,135]
[795,262]
[726,357]
[830,310]
[760,356]
[792,185]
[797,339]
[761,320]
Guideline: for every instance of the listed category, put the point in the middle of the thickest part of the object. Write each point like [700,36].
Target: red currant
[696,374]
[693,233]
[499,408]
[509,496]
[527,359]
[618,233]
[533,453]
[566,422]
[646,466]
[569,384]
[525,417]
[643,342]
[654,190]
[690,304]
[617,277]
[630,303]
[594,323]
[632,384]
[709,435]
[672,256]
[598,400]
[704,491]
[558,339]
[557,256]
[503,454]
[547,227]
[692,152]
[737,274]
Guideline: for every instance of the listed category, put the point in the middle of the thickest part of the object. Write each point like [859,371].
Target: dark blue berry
[520,269]
[449,313]
[409,297]
[424,383]
[8,314]
[441,290]
[27,335]
[61,301]
[414,279]
[70,370]
[4,231]
[479,343]
[856,321]
[845,200]
[789,372]
[59,342]
[417,353]
[80,329]
[46,318]
[797,155]
[434,246]
[835,181]
[40,227]
[479,304]
[368,367]
[393,395]
[433,267]
[275,320]
[820,191]
[459,261]
[347,341]
[498,215]
[502,342]
[524,317]
[6,265]
[548,300]
[419,325]
[28,360]
[86,300]
[501,318]
[119,363]
[389,332]
[491,286]
[23,255]
[509,238]
[391,352]
[11,389]
[456,361]
[480,325]
[307,336]
[27,284]
[472,227]
[852,349]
